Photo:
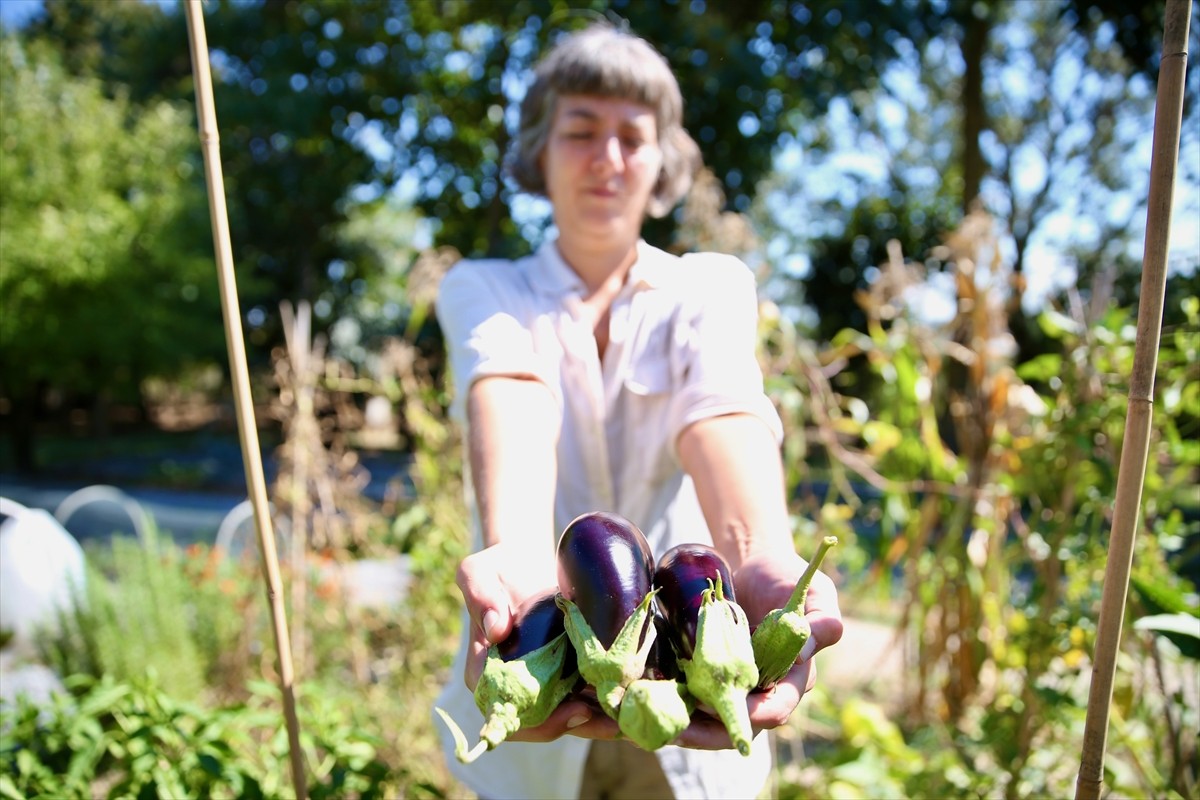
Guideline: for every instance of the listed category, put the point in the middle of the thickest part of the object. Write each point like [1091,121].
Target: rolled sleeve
[715,346]
[480,315]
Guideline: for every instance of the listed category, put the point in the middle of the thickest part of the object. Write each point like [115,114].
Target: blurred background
[945,202]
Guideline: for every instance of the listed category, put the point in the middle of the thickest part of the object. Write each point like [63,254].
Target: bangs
[606,63]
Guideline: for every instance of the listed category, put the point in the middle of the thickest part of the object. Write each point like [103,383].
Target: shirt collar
[551,275]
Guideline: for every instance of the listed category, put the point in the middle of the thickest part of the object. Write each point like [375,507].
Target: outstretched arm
[511,439]
[738,472]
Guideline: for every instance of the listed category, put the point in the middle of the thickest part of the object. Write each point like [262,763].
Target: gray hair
[603,61]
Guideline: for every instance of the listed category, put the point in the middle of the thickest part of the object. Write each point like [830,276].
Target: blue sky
[15,13]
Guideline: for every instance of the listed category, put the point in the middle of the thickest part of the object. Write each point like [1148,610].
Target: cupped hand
[763,583]
[495,581]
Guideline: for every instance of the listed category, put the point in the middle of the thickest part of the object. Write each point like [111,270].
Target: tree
[748,72]
[1061,127]
[105,271]
[325,104]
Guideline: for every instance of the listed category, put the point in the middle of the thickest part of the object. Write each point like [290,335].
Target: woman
[603,374]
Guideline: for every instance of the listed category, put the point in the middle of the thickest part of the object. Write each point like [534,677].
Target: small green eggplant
[524,679]
[779,638]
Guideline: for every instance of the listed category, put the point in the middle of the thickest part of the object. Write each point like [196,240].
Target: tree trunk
[21,434]
[976,28]
[101,415]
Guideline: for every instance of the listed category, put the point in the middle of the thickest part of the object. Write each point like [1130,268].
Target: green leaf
[1162,598]
[211,765]
[1041,368]
[8,789]
[1057,325]
[1183,624]
[104,699]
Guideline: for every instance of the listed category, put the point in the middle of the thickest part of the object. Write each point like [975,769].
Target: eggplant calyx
[721,671]
[777,642]
[654,712]
[515,694]
[782,634]
[611,670]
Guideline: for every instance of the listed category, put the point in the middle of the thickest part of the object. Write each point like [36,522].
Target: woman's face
[601,162]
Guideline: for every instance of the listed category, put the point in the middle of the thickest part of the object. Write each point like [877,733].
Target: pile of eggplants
[646,643]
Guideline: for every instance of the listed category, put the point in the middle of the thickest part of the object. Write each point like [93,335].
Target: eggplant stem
[461,751]
[800,593]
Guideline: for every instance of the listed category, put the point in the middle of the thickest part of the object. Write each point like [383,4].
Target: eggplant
[604,589]
[525,677]
[682,575]
[695,595]
[662,663]
[779,638]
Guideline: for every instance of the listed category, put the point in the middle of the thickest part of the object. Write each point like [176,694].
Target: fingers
[485,596]
[705,733]
[823,615]
[476,660]
[488,606]
[772,708]
[576,717]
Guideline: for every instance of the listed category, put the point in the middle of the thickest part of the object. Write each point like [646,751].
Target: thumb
[487,602]
[495,625]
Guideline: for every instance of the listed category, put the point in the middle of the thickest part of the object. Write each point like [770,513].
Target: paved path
[867,659]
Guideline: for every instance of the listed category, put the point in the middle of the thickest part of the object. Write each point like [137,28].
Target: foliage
[323,109]
[368,676]
[112,738]
[1065,117]
[363,700]
[991,486]
[148,605]
[104,266]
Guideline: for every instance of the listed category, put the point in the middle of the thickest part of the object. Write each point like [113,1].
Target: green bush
[130,739]
[148,605]
[975,496]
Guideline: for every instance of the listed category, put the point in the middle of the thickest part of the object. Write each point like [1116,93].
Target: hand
[494,583]
[764,582]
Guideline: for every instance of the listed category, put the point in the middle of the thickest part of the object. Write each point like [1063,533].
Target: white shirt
[682,338]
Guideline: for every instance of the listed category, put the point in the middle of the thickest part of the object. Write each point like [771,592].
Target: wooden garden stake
[243,401]
[1135,452]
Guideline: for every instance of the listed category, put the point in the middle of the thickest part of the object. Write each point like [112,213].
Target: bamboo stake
[1135,451]
[243,400]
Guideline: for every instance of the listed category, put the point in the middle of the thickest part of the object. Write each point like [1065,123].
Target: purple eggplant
[538,622]
[525,678]
[662,663]
[711,632]
[682,575]
[605,568]
[604,583]
[782,634]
